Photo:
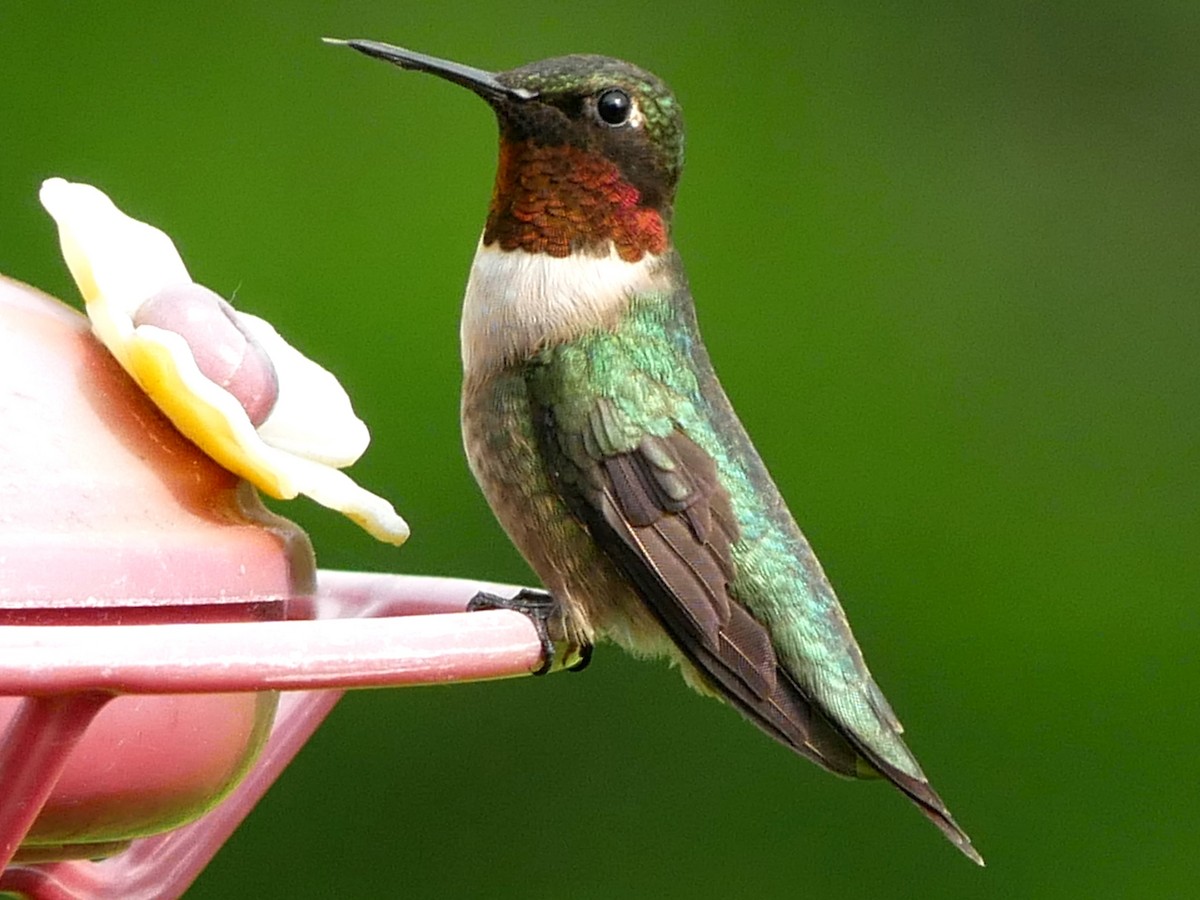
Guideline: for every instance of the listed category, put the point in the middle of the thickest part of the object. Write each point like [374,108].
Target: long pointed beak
[477,80]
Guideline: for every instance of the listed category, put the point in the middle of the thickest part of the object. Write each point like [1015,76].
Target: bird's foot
[542,609]
[583,656]
[538,606]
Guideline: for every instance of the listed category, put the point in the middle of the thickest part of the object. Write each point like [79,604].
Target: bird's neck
[519,303]
[562,200]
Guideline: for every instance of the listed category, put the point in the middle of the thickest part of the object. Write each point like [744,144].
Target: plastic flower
[226,379]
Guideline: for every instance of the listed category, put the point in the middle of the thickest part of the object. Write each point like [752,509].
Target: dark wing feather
[661,514]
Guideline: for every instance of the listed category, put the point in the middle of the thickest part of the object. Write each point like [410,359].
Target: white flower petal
[110,255]
[312,416]
[336,490]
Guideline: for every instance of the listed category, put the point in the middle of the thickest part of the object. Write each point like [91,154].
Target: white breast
[518,302]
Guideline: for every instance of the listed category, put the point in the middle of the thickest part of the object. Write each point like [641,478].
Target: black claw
[585,657]
[537,606]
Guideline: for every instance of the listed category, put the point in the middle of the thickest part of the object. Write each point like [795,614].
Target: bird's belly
[502,451]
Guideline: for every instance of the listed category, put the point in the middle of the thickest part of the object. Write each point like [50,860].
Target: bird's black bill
[477,80]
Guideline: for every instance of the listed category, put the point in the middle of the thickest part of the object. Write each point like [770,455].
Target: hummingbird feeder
[167,644]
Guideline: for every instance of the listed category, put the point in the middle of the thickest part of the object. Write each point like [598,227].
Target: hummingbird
[596,427]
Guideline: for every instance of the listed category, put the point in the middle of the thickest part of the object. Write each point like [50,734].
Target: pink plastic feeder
[110,517]
[150,608]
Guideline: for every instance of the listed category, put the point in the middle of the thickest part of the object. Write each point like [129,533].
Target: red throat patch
[556,200]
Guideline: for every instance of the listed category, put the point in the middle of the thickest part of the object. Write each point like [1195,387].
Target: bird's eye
[613,107]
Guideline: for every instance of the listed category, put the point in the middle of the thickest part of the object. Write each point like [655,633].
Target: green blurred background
[946,258]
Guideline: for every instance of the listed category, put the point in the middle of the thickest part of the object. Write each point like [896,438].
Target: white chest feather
[519,302]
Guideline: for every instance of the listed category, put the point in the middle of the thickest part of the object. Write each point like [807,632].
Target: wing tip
[931,806]
[972,854]
[940,816]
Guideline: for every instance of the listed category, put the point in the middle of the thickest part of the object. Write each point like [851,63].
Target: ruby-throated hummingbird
[599,433]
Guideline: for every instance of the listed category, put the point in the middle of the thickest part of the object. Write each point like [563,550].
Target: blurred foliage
[946,261]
